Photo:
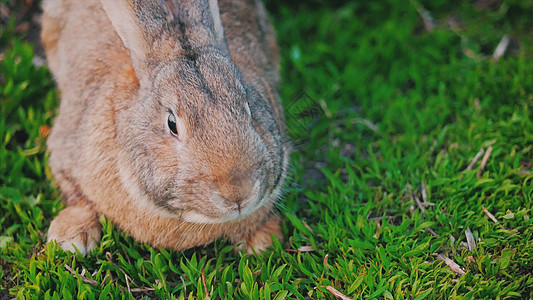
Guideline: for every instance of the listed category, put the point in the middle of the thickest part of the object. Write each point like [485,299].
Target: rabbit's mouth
[195,217]
[200,218]
[228,211]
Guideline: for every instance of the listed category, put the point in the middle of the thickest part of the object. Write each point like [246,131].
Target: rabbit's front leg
[76,226]
[261,239]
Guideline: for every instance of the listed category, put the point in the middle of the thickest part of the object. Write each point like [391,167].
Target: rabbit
[170,123]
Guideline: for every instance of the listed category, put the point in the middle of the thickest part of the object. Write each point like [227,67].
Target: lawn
[411,176]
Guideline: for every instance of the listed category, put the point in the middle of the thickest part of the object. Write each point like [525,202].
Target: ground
[411,176]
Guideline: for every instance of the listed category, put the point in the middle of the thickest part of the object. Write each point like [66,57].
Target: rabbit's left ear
[127,25]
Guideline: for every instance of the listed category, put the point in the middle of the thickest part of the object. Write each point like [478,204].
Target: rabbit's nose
[237,190]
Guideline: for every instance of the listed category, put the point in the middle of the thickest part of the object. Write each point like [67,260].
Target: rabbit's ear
[151,29]
[217,23]
[197,23]
[137,37]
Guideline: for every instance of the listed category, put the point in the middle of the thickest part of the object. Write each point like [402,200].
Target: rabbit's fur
[123,68]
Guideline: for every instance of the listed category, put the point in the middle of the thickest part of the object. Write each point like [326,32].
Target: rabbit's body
[126,85]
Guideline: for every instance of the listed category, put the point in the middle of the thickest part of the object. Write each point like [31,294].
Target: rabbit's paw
[262,238]
[76,227]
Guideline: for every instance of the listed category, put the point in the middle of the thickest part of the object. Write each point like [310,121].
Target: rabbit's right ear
[122,14]
[151,29]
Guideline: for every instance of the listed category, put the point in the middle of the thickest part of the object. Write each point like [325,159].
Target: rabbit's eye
[172,124]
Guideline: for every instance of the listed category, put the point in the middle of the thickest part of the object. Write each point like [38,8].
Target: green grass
[398,112]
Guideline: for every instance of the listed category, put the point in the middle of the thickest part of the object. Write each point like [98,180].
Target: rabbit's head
[197,141]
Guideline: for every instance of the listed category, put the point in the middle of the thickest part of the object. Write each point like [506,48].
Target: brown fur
[84,233]
[110,148]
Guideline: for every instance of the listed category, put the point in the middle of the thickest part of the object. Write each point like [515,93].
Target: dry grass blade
[392,218]
[484,161]
[470,239]
[424,193]
[415,198]
[433,233]
[82,276]
[307,226]
[184,285]
[476,158]
[306,249]
[336,293]
[491,216]
[367,123]
[104,280]
[205,286]
[451,264]
[109,257]
[419,204]
[44,131]
[500,49]
[326,266]
[427,19]
[144,290]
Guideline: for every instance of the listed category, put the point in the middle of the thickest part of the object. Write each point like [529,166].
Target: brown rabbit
[169,125]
